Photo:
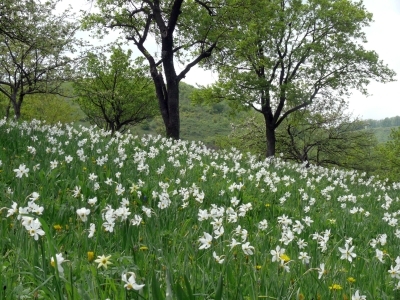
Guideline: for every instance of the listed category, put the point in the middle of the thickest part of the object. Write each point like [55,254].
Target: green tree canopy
[36,52]
[319,137]
[184,31]
[115,93]
[282,56]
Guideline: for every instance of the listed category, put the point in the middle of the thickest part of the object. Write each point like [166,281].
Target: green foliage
[51,108]
[115,92]
[36,52]
[390,156]
[386,122]
[198,122]
[162,196]
[185,31]
[282,56]
[329,139]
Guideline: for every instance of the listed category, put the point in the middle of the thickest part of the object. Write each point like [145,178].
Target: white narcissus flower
[304,257]
[13,210]
[34,229]
[130,283]
[247,249]
[321,270]
[263,225]
[347,253]
[218,259]
[83,213]
[60,259]
[21,171]
[103,261]
[357,296]
[277,253]
[205,241]
[92,230]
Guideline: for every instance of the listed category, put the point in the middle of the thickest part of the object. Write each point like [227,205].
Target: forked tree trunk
[270,135]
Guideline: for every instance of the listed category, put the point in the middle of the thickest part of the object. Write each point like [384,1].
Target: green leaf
[155,288]
[218,293]
[188,287]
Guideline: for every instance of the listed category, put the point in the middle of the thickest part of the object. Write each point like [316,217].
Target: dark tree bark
[161,20]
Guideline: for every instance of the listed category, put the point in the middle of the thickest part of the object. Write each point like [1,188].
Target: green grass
[179,181]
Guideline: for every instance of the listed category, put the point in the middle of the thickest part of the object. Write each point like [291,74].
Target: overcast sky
[382,37]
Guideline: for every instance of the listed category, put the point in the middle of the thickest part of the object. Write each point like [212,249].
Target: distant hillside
[198,122]
[382,128]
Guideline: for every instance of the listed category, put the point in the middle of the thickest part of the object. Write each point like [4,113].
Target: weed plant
[86,215]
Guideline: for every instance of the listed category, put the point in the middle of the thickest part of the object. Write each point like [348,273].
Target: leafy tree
[36,52]
[283,56]
[51,108]
[390,156]
[324,138]
[185,30]
[330,139]
[113,93]
[12,15]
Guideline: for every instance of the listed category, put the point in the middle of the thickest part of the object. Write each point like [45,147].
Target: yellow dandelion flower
[258,267]
[284,257]
[351,280]
[335,287]
[57,227]
[90,256]
[143,248]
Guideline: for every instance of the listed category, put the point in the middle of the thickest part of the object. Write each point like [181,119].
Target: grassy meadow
[88,216]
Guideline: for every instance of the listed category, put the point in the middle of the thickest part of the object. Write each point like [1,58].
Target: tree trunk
[8,110]
[270,135]
[173,126]
[17,106]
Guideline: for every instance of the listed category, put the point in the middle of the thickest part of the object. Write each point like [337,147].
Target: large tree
[313,136]
[285,55]
[36,52]
[113,92]
[184,30]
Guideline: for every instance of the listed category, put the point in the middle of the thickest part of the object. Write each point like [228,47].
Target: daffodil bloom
[304,257]
[21,171]
[395,271]
[205,241]
[60,259]
[92,230]
[347,253]
[218,259]
[276,254]
[357,296]
[35,229]
[321,270]
[130,283]
[247,249]
[13,210]
[83,213]
[103,261]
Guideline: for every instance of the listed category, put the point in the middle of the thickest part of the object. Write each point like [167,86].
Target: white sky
[384,100]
